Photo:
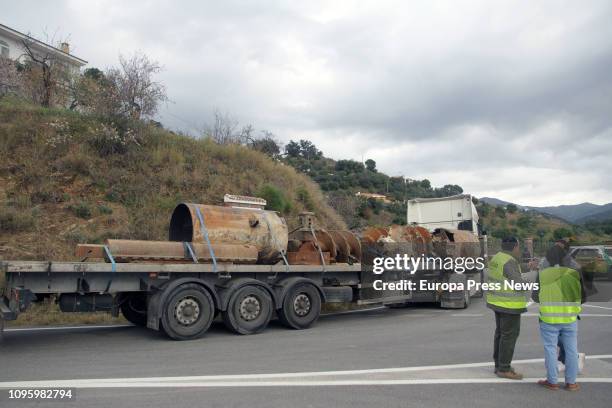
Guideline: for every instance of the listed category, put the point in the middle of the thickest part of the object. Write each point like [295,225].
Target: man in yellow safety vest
[507,303]
[560,294]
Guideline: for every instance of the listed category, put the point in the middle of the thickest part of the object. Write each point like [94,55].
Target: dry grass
[58,180]
[48,314]
[67,178]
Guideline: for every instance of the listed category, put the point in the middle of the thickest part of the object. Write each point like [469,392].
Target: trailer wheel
[301,306]
[249,310]
[134,308]
[187,312]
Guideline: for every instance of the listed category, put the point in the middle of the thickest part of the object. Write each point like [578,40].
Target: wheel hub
[250,308]
[301,304]
[187,311]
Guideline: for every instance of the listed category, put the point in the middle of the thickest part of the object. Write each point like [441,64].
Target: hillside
[573,213]
[343,180]
[67,178]
[604,213]
[503,220]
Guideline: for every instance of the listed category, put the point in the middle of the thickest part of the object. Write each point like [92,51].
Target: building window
[4,49]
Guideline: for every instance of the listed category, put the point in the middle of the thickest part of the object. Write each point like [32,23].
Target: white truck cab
[454,212]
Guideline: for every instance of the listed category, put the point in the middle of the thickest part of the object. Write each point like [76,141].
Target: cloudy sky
[507,99]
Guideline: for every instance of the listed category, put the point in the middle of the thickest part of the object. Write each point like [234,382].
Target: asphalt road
[383,357]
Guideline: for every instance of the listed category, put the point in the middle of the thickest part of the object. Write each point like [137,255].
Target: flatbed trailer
[182,299]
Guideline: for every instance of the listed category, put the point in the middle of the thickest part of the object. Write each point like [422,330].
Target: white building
[11,46]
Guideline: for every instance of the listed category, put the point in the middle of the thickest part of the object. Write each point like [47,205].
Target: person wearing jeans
[567,335]
[560,294]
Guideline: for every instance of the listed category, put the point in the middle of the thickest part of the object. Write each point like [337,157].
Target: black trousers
[507,330]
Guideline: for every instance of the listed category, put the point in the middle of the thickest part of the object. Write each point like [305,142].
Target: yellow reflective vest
[560,295]
[506,298]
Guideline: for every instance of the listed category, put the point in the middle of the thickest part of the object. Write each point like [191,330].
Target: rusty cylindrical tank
[231,225]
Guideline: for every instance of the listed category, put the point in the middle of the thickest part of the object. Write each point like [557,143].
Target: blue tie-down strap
[190,251]
[206,238]
[110,257]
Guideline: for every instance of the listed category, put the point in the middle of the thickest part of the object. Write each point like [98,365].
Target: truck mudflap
[456,299]
[5,314]
[5,311]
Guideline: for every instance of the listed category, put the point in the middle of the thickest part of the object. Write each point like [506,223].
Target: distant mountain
[604,215]
[496,201]
[575,213]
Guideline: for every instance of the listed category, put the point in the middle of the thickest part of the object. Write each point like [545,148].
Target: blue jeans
[567,335]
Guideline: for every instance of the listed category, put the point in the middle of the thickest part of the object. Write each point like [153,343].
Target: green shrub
[275,198]
[304,197]
[81,210]
[12,220]
[113,195]
[76,237]
[103,209]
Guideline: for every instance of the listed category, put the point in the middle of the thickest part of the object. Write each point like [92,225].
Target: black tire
[249,310]
[301,306]
[134,308]
[480,292]
[187,312]
[466,298]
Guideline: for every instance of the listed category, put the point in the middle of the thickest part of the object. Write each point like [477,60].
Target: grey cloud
[497,97]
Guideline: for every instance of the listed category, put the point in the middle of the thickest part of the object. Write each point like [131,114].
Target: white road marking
[597,306]
[237,384]
[281,379]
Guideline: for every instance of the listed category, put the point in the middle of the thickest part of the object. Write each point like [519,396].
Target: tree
[350,166]
[93,92]
[449,190]
[309,151]
[304,149]
[93,74]
[562,232]
[46,74]
[292,149]
[267,144]
[225,130]
[525,222]
[370,165]
[139,95]
[511,208]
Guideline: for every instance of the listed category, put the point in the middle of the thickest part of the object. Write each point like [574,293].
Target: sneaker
[511,375]
[572,387]
[546,384]
[581,360]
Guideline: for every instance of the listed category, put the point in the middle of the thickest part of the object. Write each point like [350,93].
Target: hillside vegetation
[68,178]
[342,179]
[505,220]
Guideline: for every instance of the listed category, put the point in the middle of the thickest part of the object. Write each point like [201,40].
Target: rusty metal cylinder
[231,225]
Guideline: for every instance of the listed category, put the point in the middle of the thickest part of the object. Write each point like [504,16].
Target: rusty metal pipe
[232,225]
